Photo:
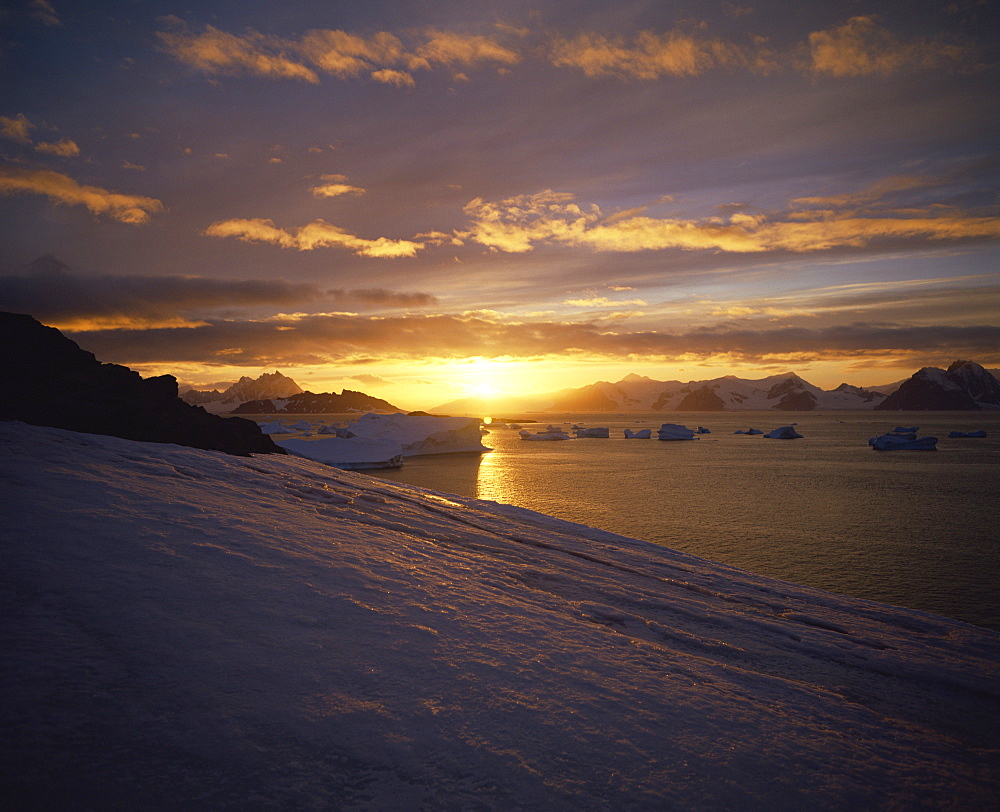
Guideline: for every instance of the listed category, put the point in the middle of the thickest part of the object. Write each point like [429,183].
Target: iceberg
[350,454]
[275,427]
[902,442]
[703,430]
[784,433]
[548,434]
[979,433]
[748,431]
[675,431]
[422,434]
[638,434]
[596,431]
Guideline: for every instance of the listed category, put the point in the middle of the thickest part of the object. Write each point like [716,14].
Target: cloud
[518,224]
[339,338]
[383,297]
[647,56]
[336,187]
[60,188]
[214,51]
[44,13]
[65,148]
[347,55]
[397,78]
[317,234]
[17,128]
[382,56]
[604,301]
[369,380]
[861,47]
[450,48]
[49,291]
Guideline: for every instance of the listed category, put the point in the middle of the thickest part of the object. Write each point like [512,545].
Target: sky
[429,200]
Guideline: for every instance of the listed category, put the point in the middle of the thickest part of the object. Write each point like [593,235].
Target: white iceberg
[675,431]
[784,433]
[422,434]
[596,431]
[191,630]
[638,434]
[350,454]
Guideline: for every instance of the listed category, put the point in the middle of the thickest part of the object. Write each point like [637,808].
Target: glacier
[190,629]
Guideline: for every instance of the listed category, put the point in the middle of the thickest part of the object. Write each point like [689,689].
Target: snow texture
[190,630]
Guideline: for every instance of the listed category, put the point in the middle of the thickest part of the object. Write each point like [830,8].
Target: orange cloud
[346,55]
[397,78]
[517,224]
[450,48]
[336,189]
[17,128]
[215,51]
[65,148]
[63,189]
[317,234]
[648,56]
[860,47]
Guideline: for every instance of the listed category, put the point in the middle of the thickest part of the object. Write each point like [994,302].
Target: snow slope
[190,630]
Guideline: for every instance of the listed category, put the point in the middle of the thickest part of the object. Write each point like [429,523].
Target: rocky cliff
[47,380]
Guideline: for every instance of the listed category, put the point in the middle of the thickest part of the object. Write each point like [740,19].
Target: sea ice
[979,433]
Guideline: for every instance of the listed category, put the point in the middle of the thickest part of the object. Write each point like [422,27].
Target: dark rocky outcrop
[47,380]
[803,401]
[321,403]
[701,400]
[964,386]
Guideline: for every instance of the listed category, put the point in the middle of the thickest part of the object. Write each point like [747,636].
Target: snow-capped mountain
[785,392]
[964,386]
[268,386]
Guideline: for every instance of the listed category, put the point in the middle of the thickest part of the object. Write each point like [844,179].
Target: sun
[483,390]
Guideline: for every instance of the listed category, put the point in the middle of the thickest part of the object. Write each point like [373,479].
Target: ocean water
[911,528]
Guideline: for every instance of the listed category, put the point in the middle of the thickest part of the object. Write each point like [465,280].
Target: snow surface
[191,630]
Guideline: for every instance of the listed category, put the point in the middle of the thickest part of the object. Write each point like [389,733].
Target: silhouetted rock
[964,386]
[47,380]
[702,400]
[312,403]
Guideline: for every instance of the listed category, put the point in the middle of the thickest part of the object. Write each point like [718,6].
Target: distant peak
[633,377]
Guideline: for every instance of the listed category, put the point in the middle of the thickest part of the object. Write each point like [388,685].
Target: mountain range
[783,392]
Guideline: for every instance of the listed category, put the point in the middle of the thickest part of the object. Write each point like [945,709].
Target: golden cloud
[336,189]
[215,51]
[517,224]
[346,55]
[397,78]
[860,47]
[450,48]
[63,189]
[648,56]
[317,234]
[17,128]
[65,148]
